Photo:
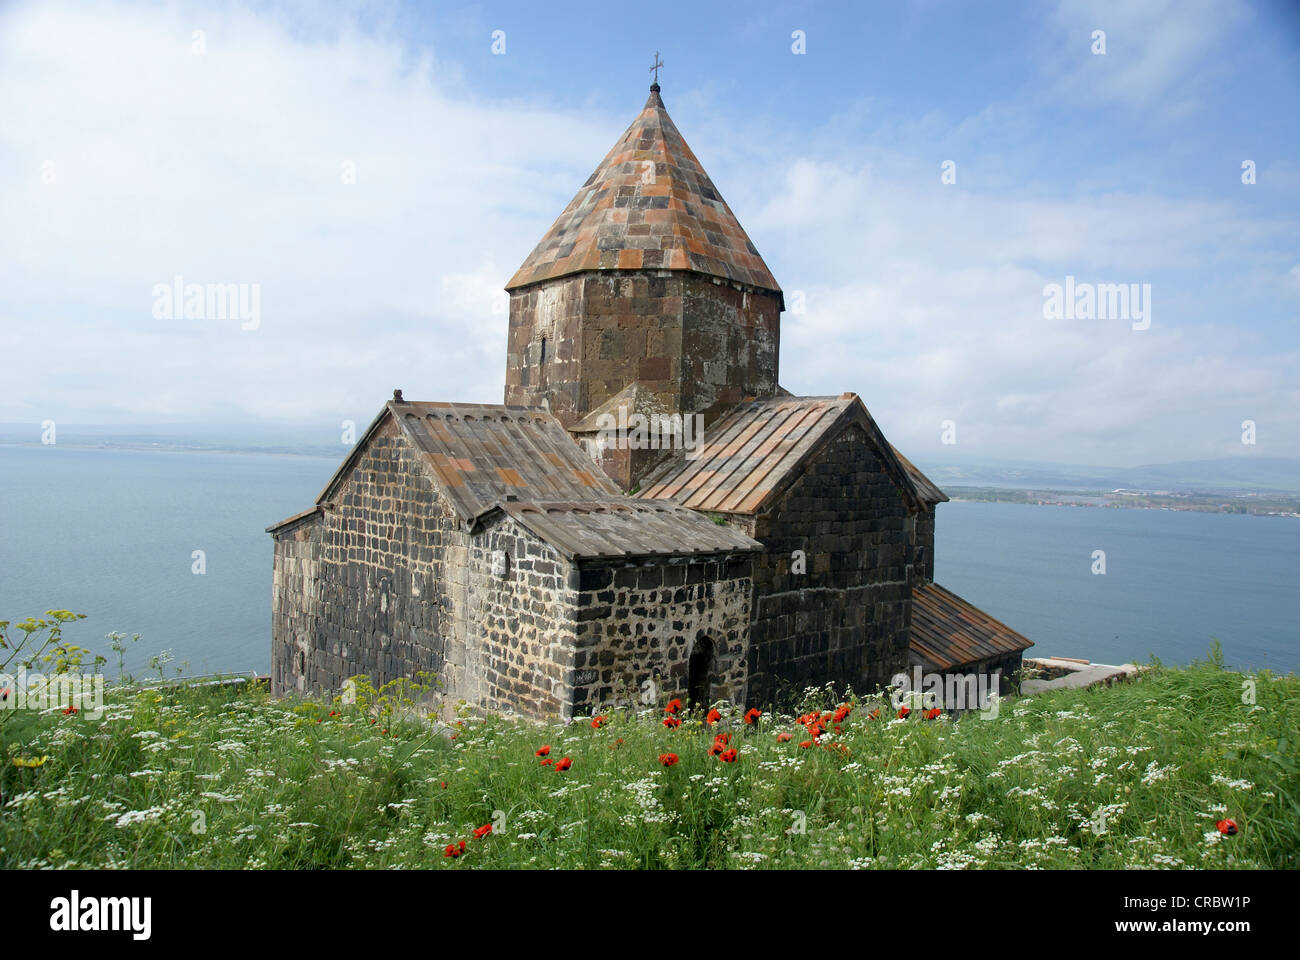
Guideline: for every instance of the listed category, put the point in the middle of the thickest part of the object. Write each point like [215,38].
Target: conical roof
[649,205]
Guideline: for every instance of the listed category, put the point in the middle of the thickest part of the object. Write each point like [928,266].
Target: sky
[916,175]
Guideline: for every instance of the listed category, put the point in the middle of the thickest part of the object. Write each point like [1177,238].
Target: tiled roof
[489,457]
[636,397]
[484,453]
[648,205]
[627,528]
[948,632]
[750,456]
[924,485]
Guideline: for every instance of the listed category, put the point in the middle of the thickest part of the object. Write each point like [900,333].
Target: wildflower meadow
[1175,770]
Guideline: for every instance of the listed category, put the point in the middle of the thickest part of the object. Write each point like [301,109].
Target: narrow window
[699,670]
[543,356]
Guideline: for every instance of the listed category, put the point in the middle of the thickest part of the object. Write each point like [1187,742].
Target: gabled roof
[753,454]
[924,485]
[627,528]
[649,205]
[482,453]
[948,632]
[519,460]
[636,397]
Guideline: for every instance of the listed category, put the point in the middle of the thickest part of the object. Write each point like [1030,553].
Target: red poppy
[334,713]
[874,714]
[597,722]
[564,763]
[444,784]
[674,705]
[783,737]
[713,717]
[1227,827]
[903,712]
[483,831]
[752,716]
[543,750]
[716,749]
[722,738]
[668,759]
[672,722]
[454,850]
[70,709]
[932,713]
[842,712]
[806,744]
[729,756]
[547,762]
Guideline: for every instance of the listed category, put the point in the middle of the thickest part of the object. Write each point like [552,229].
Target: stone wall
[295,600]
[552,313]
[388,584]
[846,619]
[642,621]
[730,345]
[520,608]
[383,586]
[923,556]
[697,343]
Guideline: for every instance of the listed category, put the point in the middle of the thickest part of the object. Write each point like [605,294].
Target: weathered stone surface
[386,582]
[644,289]
[846,618]
[696,343]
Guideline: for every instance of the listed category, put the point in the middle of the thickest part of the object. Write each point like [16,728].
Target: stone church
[548,555]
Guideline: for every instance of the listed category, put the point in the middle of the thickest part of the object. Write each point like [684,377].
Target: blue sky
[128,156]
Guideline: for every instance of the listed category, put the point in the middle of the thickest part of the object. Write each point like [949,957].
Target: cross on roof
[655,67]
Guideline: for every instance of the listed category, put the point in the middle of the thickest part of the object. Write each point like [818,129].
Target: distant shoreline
[162,447]
[1249,504]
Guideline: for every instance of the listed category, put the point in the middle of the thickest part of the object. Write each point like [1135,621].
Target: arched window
[699,673]
[302,663]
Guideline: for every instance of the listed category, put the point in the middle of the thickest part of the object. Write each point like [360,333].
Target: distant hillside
[1244,474]
[311,439]
[1247,474]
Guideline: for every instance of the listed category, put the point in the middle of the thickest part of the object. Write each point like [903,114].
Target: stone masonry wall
[730,345]
[641,621]
[923,557]
[381,597]
[520,607]
[388,584]
[695,343]
[847,618]
[295,599]
[550,312]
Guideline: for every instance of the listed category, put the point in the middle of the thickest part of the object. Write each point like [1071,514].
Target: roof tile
[649,177]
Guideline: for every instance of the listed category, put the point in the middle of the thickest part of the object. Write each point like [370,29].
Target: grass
[1129,776]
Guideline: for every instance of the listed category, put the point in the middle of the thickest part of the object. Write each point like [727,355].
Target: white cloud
[226,168]
[925,299]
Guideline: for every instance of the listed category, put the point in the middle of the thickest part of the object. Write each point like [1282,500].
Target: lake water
[111,534]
